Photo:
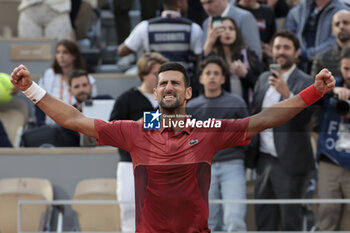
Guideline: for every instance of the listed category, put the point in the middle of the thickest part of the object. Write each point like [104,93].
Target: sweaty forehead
[170,75]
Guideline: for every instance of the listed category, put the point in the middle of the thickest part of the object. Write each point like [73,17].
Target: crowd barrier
[114,202]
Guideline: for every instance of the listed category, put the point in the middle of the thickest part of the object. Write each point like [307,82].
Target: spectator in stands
[45,18]
[227,171]
[172,35]
[54,134]
[333,152]
[196,12]
[130,105]
[55,79]
[226,41]
[311,21]
[245,21]
[279,7]
[122,19]
[80,87]
[330,58]
[265,18]
[285,155]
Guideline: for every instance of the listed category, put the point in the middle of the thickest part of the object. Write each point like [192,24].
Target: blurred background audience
[56,79]
[96,45]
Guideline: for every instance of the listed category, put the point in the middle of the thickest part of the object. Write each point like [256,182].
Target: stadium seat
[14,116]
[34,217]
[9,14]
[94,217]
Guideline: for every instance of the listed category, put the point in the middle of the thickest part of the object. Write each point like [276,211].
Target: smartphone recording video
[276,67]
[216,21]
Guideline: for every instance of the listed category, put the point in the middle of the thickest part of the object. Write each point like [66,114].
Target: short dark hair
[170,3]
[289,35]
[216,60]
[176,67]
[345,53]
[77,74]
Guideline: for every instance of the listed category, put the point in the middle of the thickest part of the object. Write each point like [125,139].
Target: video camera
[342,107]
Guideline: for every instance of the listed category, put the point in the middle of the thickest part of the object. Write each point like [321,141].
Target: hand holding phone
[216,21]
[275,67]
[278,82]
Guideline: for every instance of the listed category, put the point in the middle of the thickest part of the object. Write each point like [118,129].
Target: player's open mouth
[169,97]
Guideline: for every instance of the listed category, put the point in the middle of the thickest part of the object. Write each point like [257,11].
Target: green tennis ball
[5,88]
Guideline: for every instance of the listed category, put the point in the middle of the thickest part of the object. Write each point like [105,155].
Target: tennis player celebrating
[171,165]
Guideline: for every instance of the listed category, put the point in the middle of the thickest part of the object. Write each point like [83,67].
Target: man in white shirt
[168,35]
[175,37]
[285,155]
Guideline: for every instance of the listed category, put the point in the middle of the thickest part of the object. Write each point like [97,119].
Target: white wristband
[35,93]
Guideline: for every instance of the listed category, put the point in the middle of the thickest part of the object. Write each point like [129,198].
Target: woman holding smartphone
[225,40]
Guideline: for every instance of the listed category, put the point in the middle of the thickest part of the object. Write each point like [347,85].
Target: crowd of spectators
[228,48]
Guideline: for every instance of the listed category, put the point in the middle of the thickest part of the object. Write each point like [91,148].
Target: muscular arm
[64,114]
[285,110]
[67,116]
[275,115]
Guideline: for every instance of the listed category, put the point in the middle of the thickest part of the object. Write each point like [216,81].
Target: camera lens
[342,107]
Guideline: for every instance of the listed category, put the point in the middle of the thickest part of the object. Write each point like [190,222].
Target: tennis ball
[5,88]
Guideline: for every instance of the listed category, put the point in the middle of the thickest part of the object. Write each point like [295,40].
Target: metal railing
[114,202]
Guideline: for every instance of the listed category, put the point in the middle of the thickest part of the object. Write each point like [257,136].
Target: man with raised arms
[171,165]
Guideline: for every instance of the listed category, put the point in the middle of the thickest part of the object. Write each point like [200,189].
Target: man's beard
[81,97]
[344,37]
[287,64]
[170,106]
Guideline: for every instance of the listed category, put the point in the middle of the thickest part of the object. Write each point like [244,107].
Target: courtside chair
[34,217]
[97,218]
[14,117]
